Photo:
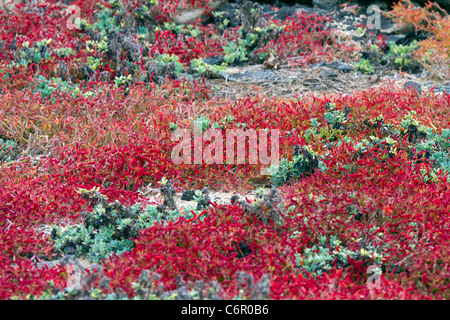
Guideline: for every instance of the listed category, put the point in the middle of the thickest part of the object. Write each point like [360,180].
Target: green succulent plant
[402,54]
[364,66]
[108,228]
[330,252]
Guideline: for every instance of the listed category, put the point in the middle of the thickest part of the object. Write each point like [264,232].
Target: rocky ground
[334,77]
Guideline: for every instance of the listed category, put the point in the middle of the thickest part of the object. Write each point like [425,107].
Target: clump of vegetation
[364,66]
[336,119]
[104,98]
[434,51]
[403,57]
[249,47]
[9,150]
[427,145]
[164,66]
[36,54]
[110,227]
[304,163]
[331,253]
[267,208]
[47,87]
[207,70]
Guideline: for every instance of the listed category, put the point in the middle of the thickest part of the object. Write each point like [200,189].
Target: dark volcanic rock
[233,11]
[217,60]
[188,195]
[344,67]
[328,74]
[396,38]
[327,4]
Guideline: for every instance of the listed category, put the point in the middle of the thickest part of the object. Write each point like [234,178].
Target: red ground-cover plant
[194,252]
[406,213]
[119,140]
[143,126]
[70,51]
[20,278]
[305,41]
[388,193]
[205,45]
[200,250]
[389,196]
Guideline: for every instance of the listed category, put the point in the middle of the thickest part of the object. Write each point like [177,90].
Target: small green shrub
[163,66]
[335,118]
[235,52]
[329,253]
[206,69]
[9,150]
[402,55]
[304,163]
[364,66]
[47,87]
[202,123]
[108,228]
[38,53]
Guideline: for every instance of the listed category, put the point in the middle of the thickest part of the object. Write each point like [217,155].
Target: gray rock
[405,29]
[328,74]
[317,65]
[396,38]
[383,5]
[445,88]
[7,4]
[309,10]
[327,4]
[217,60]
[343,67]
[250,15]
[414,86]
[44,264]
[253,76]
[189,16]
